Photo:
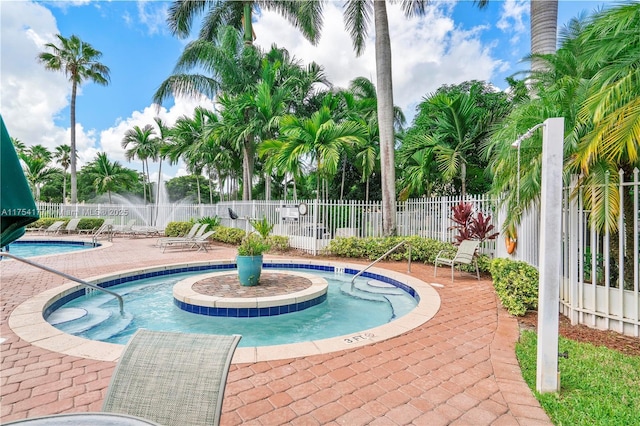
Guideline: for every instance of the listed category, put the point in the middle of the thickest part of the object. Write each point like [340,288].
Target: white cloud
[110,139]
[31,95]
[153,15]
[511,18]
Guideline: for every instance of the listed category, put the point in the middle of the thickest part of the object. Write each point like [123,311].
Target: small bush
[88,223]
[228,235]
[422,250]
[212,221]
[278,243]
[516,284]
[44,222]
[177,229]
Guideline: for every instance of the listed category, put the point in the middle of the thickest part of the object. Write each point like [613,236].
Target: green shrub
[228,235]
[278,243]
[177,229]
[253,245]
[44,222]
[212,221]
[263,227]
[87,223]
[516,284]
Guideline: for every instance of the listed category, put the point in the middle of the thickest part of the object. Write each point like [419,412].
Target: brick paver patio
[457,369]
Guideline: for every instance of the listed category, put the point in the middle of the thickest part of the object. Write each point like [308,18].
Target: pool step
[374,290]
[93,317]
[113,325]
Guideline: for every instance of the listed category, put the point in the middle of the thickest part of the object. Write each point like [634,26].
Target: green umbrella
[17,206]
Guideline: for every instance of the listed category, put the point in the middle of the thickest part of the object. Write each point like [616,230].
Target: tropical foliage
[593,82]
[108,176]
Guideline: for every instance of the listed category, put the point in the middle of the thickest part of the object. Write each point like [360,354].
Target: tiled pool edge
[28,323]
[185,298]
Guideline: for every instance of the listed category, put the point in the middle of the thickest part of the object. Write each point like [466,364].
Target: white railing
[601,271]
[309,229]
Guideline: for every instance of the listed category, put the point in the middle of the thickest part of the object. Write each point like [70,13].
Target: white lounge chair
[200,242]
[190,234]
[54,228]
[124,229]
[172,378]
[465,255]
[72,225]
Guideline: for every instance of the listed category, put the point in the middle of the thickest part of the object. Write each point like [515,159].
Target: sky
[452,43]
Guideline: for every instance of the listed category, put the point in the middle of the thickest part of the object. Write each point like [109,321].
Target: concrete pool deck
[457,368]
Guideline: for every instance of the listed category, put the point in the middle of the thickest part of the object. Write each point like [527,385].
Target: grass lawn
[599,386]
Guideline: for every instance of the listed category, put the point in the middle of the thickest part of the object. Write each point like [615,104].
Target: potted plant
[249,258]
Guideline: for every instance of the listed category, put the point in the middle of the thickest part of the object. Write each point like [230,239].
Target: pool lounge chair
[146,231]
[172,378]
[72,225]
[200,242]
[124,229]
[190,234]
[465,255]
[54,228]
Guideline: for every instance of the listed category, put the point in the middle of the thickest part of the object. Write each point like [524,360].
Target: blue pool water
[41,248]
[149,304]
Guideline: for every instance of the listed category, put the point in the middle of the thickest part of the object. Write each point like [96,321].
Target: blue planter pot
[249,269]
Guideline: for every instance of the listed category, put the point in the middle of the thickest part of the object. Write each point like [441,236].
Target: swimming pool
[32,248]
[27,320]
[149,303]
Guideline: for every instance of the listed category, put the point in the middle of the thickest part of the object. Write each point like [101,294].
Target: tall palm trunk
[247,24]
[247,168]
[544,26]
[74,177]
[64,187]
[385,117]
[155,222]
[198,187]
[267,186]
[344,172]
[463,178]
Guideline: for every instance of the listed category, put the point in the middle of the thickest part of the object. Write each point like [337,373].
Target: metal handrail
[94,237]
[391,250]
[67,276]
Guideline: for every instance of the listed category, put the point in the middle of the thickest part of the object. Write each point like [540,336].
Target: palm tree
[459,126]
[18,144]
[143,145]
[37,172]
[320,139]
[608,121]
[238,14]
[39,152]
[357,19]
[63,156]
[588,82]
[164,136]
[189,142]
[108,176]
[234,68]
[79,62]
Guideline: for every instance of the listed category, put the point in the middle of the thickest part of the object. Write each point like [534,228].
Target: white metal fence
[309,224]
[601,271]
